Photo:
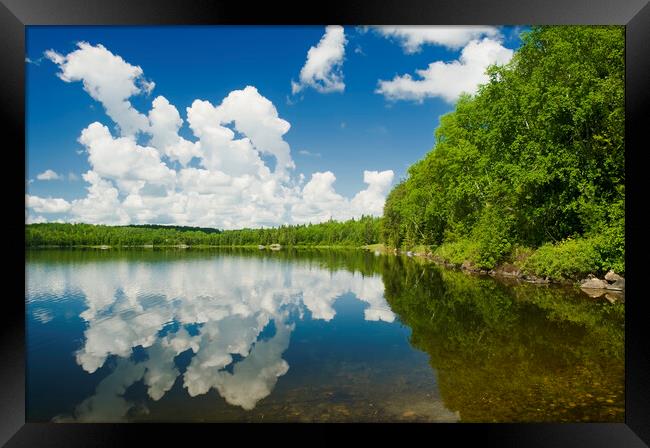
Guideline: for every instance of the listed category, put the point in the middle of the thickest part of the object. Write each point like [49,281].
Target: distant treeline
[179,228]
[357,232]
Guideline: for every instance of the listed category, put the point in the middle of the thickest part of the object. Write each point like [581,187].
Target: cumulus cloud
[322,70]
[321,202]
[448,80]
[48,175]
[251,115]
[371,200]
[165,121]
[122,159]
[101,205]
[413,37]
[31,219]
[108,79]
[47,205]
[256,117]
[235,171]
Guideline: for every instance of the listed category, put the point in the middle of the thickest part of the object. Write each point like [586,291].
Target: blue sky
[346,130]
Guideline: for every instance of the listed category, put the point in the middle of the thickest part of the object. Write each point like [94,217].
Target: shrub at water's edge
[570,259]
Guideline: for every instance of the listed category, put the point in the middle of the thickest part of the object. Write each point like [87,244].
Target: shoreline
[186,246]
[608,287]
[507,272]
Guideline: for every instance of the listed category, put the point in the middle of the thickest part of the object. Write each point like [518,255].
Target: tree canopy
[535,157]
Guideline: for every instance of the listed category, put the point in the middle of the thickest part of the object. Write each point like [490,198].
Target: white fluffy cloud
[413,37]
[101,205]
[122,159]
[253,116]
[48,175]
[165,121]
[222,177]
[47,205]
[321,202]
[108,79]
[322,70]
[448,80]
[372,198]
[256,117]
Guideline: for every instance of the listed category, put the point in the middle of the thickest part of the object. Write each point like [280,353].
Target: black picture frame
[635,14]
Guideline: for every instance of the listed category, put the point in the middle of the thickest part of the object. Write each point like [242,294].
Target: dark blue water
[311,336]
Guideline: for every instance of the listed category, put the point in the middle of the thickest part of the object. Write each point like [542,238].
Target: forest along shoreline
[349,235]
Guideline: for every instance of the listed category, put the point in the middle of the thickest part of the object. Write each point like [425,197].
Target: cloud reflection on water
[231,302]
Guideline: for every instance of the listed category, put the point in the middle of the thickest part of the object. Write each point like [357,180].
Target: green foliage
[572,259]
[358,232]
[492,234]
[566,259]
[458,251]
[535,157]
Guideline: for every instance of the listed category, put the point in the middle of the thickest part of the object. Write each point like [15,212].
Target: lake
[309,336]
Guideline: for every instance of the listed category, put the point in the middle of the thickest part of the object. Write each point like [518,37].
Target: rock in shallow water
[593,283]
[612,276]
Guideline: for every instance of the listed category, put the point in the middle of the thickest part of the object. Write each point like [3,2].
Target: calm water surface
[248,335]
